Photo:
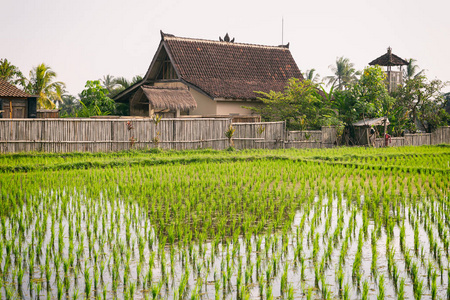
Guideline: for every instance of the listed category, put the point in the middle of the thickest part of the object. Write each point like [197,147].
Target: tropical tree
[109,83]
[10,73]
[344,74]
[94,99]
[367,98]
[423,102]
[311,75]
[301,105]
[446,97]
[412,70]
[115,85]
[42,83]
[69,106]
[121,83]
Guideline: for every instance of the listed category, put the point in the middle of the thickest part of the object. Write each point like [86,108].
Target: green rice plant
[430,270]
[48,273]
[302,268]
[365,292]
[269,295]
[340,278]
[60,292]
[284,280]
[395,274]
[346,294]
[414,272]
[324,288]
[261,286]
[290,292]
[418,286]
[401,290]
[156,290]
[131,290]
[102,268]
[433,286]
[416,239]
[248,274]
[38,289]
[87,281]
[183,283]
[20,273]
[217,288]
[380,295]
[96,278]
[268,274]
[373,267]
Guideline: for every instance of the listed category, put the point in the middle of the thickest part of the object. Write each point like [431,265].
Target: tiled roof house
[212,77]
[15,103]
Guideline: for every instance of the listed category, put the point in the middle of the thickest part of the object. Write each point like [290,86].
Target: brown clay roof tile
[10,91]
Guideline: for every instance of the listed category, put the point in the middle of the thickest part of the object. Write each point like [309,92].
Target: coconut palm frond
[42,83]
[122,82]
[10,73]
[344,74]
[311,75]
[136,79]
[412,70]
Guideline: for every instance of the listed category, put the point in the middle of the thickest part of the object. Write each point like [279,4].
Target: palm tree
[344,74]
[311,76]
[42,83]
[69,105]
[121,83]
[10,73]
[109,83]
[411,70]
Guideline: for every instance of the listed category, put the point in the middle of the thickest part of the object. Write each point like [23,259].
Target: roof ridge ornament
[226,38]
[163,35]
[284,46]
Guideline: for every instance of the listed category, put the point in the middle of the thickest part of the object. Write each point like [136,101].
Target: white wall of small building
[205,105]
[234,107]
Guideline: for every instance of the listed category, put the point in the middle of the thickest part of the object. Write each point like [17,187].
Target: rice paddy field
[343,223]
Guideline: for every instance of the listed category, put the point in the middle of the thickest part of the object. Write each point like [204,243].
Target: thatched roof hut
[161,99]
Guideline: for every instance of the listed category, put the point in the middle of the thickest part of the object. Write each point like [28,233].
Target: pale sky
[85,39]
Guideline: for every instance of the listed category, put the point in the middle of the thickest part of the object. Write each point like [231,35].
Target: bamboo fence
[440,136]
[105,135]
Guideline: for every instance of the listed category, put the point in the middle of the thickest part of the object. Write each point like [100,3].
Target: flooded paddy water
[258,229]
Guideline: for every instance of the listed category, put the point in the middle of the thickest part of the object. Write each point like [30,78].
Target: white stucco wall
[205,105]
[234,107]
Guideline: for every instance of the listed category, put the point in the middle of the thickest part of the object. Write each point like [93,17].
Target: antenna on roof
[282,30]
